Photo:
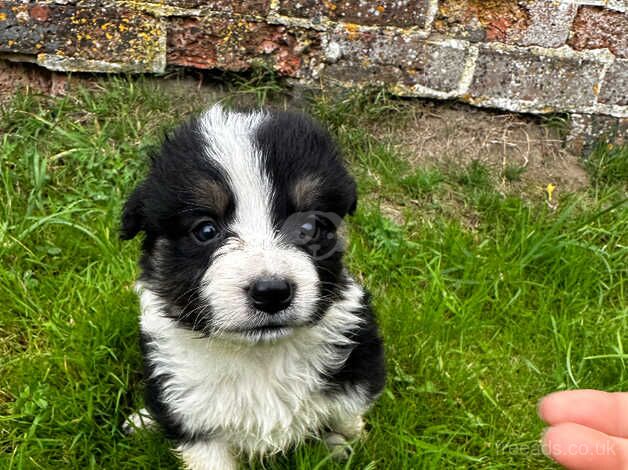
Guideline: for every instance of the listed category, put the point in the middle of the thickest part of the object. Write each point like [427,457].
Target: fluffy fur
[233,198]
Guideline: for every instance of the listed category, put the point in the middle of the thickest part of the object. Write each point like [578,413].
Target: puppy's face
[240,213]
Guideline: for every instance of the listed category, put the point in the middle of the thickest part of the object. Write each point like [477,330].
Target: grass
[479,321]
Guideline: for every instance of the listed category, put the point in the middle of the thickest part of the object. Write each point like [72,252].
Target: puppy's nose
[271,295]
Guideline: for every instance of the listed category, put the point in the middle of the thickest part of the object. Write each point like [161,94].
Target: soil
[523,153]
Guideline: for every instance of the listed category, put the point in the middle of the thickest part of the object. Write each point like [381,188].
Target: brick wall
[536,56]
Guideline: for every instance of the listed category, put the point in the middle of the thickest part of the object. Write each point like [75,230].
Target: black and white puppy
[254,335]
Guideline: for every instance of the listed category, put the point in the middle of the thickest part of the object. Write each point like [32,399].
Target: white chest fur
[260,398]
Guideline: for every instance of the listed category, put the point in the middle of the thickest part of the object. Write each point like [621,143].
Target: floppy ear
[133,217]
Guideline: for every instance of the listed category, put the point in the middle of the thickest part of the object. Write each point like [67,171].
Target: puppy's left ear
[133,217]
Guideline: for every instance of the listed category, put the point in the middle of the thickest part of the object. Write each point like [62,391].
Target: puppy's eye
[308,230]
[205,231]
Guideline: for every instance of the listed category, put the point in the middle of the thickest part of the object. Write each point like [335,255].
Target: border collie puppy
[254,335]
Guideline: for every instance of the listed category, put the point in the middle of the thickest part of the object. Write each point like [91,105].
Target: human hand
[588,429]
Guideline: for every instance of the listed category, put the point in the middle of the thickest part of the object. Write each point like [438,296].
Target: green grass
[479,322]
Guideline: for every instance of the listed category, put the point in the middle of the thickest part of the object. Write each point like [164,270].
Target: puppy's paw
[207,455]
[140,420]
[338,446]
[352,427]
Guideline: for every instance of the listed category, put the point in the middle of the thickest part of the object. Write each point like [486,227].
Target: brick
[481,20]
[248,7]
[615,87]
[619,5]
[555,81]
[103,34]
[597,27]
[526,23]
[401,13]
[589,129]
[549,24]
[233,44]
[405,59]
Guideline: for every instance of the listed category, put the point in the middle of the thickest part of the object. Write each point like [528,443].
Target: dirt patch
[24,77]
[523,155]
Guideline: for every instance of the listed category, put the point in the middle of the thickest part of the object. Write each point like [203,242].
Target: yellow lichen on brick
[353,30]
[329,5]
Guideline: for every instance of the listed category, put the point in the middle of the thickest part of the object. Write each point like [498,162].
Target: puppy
[254,335]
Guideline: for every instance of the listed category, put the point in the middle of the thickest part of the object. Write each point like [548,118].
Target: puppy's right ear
[133,217]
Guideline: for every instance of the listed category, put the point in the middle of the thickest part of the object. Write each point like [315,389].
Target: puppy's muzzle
[270,294]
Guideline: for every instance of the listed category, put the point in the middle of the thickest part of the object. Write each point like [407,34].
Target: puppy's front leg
[208,455]
[343,430]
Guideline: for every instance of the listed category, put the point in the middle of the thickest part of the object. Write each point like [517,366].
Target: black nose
[271,295]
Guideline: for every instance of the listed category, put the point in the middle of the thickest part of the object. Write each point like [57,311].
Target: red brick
[231,44]
[597,28]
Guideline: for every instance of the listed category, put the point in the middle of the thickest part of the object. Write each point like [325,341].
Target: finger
[606,412]
[577,447]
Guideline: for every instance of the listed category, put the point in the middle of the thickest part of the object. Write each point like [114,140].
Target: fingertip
[545,406]
[544,440]
[577,447]
[540,408]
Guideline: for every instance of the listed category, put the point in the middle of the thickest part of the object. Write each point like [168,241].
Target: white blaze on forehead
[256,250]
[231,145]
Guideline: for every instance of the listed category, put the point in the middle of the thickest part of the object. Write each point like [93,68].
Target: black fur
[165,206]
[365,365]
[296,148]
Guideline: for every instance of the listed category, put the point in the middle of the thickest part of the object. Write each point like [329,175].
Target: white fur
[258,398]
[139,420]
[208,455]
[257,250]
